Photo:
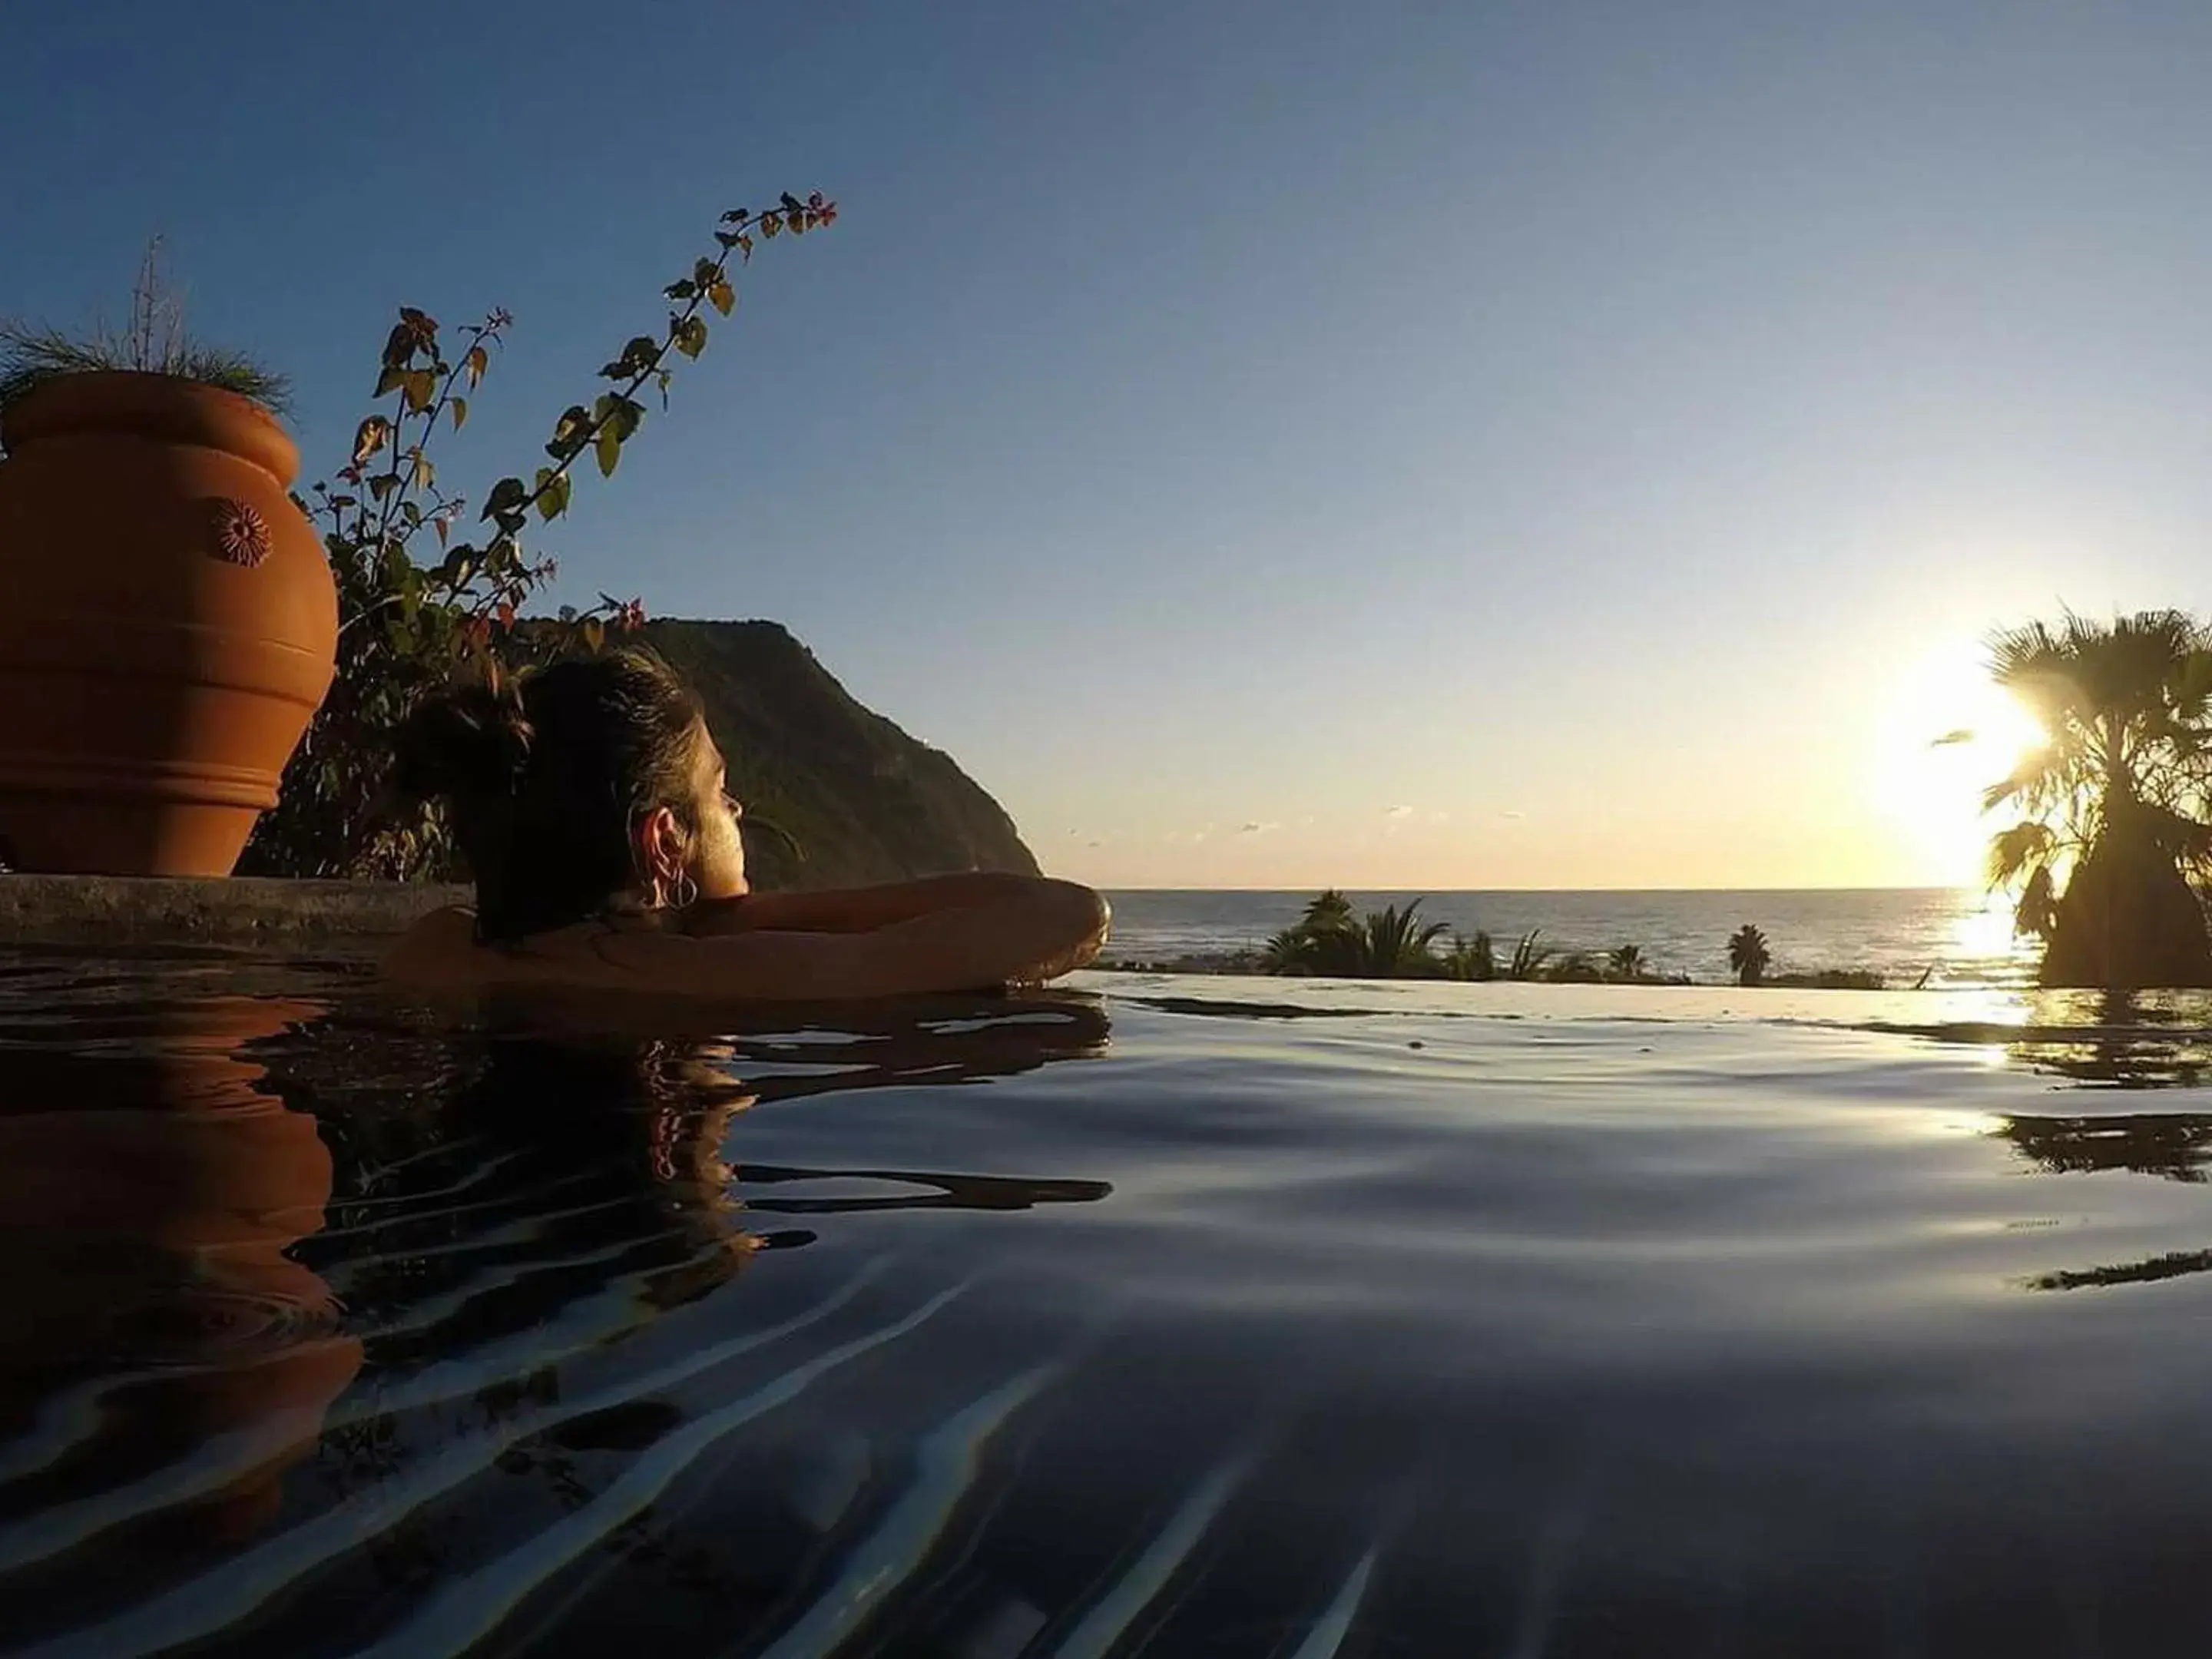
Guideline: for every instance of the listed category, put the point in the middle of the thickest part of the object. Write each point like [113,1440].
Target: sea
[1955,936]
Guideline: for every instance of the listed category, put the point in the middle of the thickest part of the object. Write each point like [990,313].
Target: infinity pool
[1160,1316]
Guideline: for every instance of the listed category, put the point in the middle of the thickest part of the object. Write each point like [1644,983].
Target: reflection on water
[336,1326]
[209,1287]
[148,1193]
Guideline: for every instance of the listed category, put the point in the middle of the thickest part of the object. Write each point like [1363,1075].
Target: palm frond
[2028,843]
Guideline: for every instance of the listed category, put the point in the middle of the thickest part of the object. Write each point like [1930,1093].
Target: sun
[1950,731]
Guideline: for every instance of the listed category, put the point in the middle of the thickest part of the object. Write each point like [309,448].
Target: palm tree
[2108,803]
[1472,958]
[1628,963]
[1529,956]
[1290,952]
[1328,912]
[1747,955]
[1394,944]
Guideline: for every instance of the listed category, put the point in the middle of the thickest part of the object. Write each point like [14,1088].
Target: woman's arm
[850,909]
[1028,929]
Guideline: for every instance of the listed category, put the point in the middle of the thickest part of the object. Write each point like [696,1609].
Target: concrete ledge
[69,909]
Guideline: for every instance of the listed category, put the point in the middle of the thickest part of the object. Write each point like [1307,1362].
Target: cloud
[1438,818]
[1253,827]
[1512,815]
[1398,812]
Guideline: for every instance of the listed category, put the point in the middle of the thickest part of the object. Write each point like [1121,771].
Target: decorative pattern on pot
[149,697]
[241,535]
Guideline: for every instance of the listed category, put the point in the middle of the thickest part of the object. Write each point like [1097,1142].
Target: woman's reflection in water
[257,1229]
[578,1176]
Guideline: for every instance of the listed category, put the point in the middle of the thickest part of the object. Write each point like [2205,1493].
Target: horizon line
[1861,887]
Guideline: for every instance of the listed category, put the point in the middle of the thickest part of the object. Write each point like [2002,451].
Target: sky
[1385,444]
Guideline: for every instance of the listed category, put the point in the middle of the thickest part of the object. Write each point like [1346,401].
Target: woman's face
[717,863]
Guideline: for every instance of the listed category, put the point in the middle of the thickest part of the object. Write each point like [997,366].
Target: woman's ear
[657,844]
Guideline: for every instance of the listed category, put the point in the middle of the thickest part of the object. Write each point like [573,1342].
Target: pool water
[1145,1316]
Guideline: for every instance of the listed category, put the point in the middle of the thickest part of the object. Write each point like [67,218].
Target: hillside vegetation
[863,800]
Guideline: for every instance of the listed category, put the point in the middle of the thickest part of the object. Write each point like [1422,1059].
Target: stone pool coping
[144,909]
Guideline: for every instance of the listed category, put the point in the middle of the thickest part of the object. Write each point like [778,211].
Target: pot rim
[168,408]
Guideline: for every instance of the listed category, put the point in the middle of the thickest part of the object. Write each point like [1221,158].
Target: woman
[591,807]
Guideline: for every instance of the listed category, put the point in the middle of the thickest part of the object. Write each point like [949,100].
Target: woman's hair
[543,782]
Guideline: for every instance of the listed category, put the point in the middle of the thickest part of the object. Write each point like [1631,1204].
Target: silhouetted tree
[1330,939]
[1747,955]
[2106,803]
[1394,944]
[1474,958]
[1528,956]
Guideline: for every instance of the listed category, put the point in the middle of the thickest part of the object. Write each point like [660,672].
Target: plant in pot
[432,583]
[173,619]
[171,622]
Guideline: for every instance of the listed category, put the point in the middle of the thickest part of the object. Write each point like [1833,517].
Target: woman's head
[590,781]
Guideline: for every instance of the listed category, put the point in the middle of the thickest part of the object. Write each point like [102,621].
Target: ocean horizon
[1954,936]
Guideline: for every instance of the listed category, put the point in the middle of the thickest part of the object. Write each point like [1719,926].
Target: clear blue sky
[1468,445]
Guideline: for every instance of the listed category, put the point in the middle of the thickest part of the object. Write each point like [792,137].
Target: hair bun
[470,743]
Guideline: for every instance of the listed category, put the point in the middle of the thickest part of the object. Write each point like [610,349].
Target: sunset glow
[1949,734]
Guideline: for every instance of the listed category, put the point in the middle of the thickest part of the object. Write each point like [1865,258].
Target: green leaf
[595,633]
[608,448]
[390,381]
[424,474]
[704,272]
[478,361]
[690,337]
[680,290]
[552,493]
[723,297]
[419,387]
[460,412]
[382,485]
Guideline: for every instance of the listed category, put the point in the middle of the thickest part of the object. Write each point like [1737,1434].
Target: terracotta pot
[167,624]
